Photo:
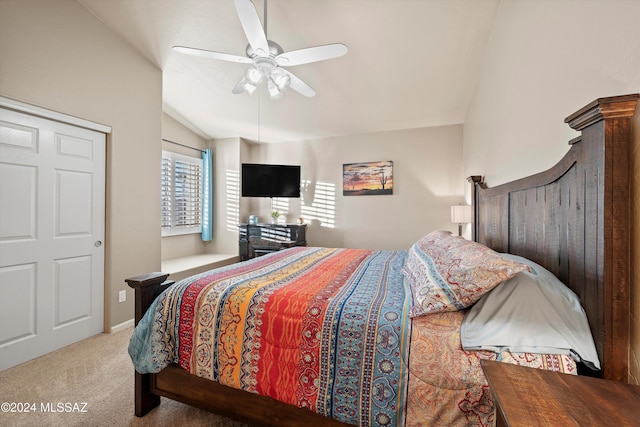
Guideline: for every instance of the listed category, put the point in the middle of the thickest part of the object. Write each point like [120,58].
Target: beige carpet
[94,375]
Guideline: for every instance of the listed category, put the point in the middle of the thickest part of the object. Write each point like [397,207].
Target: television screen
[259,180]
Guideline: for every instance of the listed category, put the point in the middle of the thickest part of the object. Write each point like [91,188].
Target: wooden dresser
[534,397]
[260,239]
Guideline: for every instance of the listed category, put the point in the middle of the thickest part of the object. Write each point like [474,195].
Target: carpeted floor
[89,383]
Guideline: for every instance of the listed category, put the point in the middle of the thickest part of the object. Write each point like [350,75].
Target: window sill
[177,231]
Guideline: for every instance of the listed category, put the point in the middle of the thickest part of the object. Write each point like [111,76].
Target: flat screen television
[261,180]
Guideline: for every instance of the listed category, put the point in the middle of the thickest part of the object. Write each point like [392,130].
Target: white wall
[57,55]
[545,60]
[427,175]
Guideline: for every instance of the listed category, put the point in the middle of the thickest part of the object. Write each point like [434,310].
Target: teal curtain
[207,196]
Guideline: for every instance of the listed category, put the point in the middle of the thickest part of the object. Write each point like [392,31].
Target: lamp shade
[461,214]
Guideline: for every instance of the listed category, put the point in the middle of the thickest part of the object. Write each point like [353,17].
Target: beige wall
[427,175]
[57,55]
[186,244]
[226,202]
[545,60]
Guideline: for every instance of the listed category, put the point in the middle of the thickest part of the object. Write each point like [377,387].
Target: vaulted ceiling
[411,63]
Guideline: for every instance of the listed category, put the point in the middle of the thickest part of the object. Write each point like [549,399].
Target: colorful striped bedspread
[328,330]
[324,329]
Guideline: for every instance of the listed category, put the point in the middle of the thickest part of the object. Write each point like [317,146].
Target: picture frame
[367,179]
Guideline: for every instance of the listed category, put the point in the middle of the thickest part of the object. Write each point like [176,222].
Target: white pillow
[533,312]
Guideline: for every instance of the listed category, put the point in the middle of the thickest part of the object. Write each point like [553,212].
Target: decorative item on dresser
[563,219]
[260,239]
[528,396]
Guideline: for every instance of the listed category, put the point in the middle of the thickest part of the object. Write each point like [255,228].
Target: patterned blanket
[446,384]
[292,326]
[328,330]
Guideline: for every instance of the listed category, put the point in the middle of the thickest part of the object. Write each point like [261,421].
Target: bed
[572,220]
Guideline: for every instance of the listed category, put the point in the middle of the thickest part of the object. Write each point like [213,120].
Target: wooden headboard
[574,219]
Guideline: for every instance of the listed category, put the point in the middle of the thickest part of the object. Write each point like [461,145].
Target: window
[181,194]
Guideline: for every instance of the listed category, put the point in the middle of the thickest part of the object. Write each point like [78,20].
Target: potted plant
[274,217]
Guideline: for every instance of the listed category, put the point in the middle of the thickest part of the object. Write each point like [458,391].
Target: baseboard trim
[121,327]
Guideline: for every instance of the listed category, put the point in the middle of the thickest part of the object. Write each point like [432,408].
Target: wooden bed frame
[573,219]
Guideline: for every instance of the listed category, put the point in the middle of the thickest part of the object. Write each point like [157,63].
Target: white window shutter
[181,194]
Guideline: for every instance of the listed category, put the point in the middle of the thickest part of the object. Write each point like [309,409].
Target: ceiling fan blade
[299,86]
[252,27]
[213,55]
[311,54]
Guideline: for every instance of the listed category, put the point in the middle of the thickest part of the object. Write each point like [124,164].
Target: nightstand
[535,397]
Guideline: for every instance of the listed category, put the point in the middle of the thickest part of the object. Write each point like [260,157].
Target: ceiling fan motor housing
[274,50]
[267,67]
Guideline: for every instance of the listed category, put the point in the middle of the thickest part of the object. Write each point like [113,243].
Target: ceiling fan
[266,57]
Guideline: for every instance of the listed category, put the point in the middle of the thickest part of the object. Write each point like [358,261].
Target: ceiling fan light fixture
[281,79]
[254,76]
[247,86]
[274,90]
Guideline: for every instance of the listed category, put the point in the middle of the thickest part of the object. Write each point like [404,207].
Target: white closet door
[52,205]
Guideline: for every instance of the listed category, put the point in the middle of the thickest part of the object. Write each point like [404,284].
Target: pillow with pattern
[450,273]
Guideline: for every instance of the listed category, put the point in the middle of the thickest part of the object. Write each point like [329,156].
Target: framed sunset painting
[366,179]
